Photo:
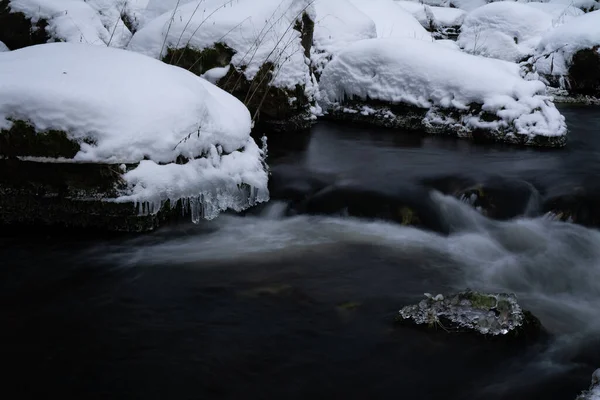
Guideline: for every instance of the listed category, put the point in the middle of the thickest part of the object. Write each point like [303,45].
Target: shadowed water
[267,306]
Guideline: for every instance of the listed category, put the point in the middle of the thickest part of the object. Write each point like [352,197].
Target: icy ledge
[413,84]
[206,185]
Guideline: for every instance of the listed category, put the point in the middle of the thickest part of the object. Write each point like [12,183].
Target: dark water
[267,307]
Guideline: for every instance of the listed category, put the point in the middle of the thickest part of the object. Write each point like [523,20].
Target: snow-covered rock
[269,40]
[407,83]
[391,20]
[3,47]
[443,22]
[505,30]
[497,314]
[560,13]
[176,135]
[256,32]
[569,56]
[585,5]
[338,23]
[95,22]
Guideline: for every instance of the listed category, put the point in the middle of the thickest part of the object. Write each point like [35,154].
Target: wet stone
[496,314]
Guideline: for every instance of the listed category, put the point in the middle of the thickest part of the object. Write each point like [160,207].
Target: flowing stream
[267,305]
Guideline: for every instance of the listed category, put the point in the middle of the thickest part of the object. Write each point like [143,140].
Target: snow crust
[505,30]
[3,47]
[131,108]
[560,44]
[95,22]
[435,77]
[391,20]
[257,31]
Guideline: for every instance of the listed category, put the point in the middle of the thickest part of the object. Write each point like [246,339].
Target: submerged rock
[593,393]
[473,312]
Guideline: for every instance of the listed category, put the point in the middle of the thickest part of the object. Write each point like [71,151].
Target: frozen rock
[486,314]
[594,391]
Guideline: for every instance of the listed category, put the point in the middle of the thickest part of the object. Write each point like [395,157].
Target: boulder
[416,85]
[30,22]
[258,52]
[496,315]
[568,57]
[96,137]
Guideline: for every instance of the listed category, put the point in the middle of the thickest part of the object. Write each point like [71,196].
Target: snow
[78,21]
[133,107]
[588,5]
[468,5]
[391,20]
[434,77]
[562,43]
[433,16]
[560,13]
[257,31]
[338,23]
[505,30]
[3,47]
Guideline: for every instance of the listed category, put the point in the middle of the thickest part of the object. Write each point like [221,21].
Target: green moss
[200,61]
[478,300]
[23,140]
[584,73]
[17,31]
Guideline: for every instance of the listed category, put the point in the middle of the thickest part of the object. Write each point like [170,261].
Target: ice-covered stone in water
[468,311]
[594,391]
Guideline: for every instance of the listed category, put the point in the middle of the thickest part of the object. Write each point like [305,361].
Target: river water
[266,306]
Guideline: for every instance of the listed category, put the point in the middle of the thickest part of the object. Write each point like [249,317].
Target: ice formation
[487,314]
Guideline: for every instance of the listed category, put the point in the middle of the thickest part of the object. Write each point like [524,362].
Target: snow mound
[338,23]
[556,49]
[257,31]
[430,16]
[123,107]
[505,30]
[391,20]
[3,47]
[441,21]
[560,13]
[95,22]
[441,81]
[585,5]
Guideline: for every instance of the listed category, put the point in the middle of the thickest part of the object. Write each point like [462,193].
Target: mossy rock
[72,195]
[200,61]
[275,109]
[584,73]
[581,207]
[22,139]
[17,31]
